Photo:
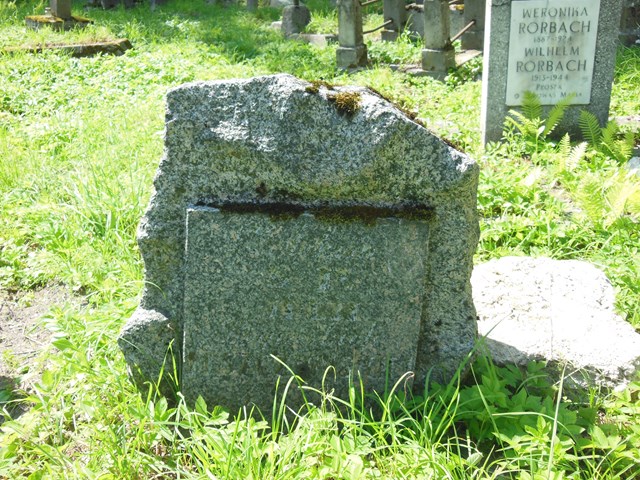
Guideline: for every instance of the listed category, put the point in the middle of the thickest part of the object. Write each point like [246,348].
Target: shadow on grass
[11,406]
[229,34]
[237,34]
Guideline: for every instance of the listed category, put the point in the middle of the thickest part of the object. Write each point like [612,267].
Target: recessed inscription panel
[552,50]
[312,291]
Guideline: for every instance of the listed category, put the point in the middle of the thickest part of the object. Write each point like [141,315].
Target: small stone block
[438,62]
[558,311]
[351,57]
[389,35]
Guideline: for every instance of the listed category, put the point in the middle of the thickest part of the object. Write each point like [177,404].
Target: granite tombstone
[557,49]
[303,225]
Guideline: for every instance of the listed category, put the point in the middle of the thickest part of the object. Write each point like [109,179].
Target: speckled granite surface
[278,139]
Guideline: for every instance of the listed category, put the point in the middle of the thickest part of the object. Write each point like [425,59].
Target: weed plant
[80,140]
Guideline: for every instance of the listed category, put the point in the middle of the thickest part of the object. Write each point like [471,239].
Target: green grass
[80,140]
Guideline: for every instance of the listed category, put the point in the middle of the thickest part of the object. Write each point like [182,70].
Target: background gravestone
[352,52]
[552,49]
[349,245]
[61,8]
[630,22]
[294,19]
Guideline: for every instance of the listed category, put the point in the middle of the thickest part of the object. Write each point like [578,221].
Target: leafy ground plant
[80,140]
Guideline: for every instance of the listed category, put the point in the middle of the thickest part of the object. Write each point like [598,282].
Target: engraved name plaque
[552,48]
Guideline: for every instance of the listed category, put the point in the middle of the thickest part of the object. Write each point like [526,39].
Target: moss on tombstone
[315,86]
[347,103]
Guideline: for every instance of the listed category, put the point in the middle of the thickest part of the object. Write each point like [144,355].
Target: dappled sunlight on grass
[80,141]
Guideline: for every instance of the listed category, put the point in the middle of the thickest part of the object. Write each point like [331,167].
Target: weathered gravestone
[553,48]
[438,54]
[352,51]
[316,224]
[630,22]
[61,8]
[295,18]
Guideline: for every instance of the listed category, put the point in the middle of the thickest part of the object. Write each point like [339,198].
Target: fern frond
[563,150]
[533,177]
[609,132]
[608,139]
[531,106]
[590,128]
[590,195]
[605,202]
[622,150]
[633,203]
[619,193]
[577,154]
[517,116]
[564,146]
[624,146]
[556,114]
[528,127]
[630,140]
[616,199]
[619,149]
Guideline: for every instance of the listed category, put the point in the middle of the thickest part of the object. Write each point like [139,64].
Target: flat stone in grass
[559,311]
[35,22]
[314,224]
[108,47]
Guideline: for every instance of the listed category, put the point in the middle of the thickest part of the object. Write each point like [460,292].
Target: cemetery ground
[80,139]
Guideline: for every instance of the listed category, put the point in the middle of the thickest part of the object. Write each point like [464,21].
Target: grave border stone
[496,57]
[110,47]
[57,16]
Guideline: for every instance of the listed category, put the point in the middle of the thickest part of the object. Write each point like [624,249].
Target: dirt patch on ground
[22,336]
